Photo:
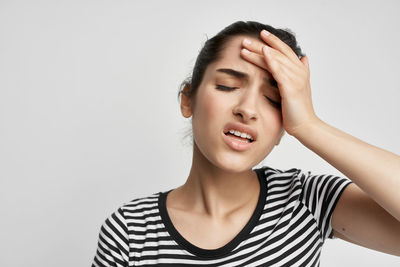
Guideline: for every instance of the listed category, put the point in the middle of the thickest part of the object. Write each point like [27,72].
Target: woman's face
[246,105]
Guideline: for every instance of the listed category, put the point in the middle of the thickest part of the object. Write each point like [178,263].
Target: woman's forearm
[375,170]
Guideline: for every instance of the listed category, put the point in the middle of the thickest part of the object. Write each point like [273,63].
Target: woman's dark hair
[212,48]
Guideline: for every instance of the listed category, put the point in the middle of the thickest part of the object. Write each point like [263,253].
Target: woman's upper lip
[241,128]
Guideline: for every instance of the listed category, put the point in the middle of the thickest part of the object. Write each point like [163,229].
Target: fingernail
[246,51]
[265,33]
[247,41]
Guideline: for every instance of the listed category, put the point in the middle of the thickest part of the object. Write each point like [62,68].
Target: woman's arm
[113,242]
[368,212]
[374,170]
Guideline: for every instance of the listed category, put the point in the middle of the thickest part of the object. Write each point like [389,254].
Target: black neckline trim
[222,251]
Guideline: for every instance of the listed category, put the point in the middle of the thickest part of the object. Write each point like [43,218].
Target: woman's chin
[235,163]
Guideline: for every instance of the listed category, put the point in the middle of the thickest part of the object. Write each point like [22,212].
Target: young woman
[250,84]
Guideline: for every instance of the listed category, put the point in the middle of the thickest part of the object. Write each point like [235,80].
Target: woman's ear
[186,105]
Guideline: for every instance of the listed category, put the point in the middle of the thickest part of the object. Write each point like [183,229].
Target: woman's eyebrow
[245,76]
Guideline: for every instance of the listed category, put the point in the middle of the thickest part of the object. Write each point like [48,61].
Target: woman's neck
[215,192]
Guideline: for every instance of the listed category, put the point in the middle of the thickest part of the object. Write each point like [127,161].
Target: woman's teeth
[242,135]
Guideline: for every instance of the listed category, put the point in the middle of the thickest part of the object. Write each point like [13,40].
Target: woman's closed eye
[227,88]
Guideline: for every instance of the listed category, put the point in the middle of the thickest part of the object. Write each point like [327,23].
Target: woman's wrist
[306,129]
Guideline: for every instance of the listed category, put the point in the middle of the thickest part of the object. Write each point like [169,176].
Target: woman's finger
[275,59]
[279,45]
[304,59]
[253,46]
[256,47]
[255,58]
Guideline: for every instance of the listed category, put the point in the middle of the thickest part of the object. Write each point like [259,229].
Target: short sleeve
[321,194]
[113,247]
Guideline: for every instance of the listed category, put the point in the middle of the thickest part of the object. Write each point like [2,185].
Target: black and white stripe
[288,227]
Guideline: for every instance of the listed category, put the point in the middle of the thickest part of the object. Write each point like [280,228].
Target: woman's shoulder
[139,209]
[271,172]
[298,174]
[141,204]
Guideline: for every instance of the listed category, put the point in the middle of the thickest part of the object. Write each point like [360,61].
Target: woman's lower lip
[236,144]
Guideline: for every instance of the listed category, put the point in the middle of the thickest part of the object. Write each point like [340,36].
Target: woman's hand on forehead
[291,74]
[253,50]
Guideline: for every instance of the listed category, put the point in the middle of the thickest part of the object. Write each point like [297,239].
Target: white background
[89,117]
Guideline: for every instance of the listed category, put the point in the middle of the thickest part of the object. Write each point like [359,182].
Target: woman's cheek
[271,118]
[208,109]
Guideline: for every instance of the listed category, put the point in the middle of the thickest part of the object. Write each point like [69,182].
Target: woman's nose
[247,106]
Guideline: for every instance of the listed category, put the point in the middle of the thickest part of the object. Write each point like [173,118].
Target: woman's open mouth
[236,142]
[242,139]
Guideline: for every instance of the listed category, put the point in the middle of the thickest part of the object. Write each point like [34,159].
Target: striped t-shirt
[288,227]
